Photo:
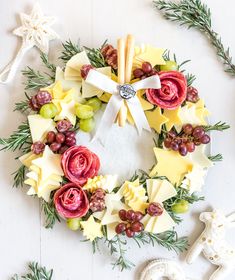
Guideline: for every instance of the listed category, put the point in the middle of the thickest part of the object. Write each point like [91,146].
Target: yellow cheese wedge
[156,119]
[171,164]
[28,158]
[49,164]
[68,111]
[150,54]
[173,117]
[73,66]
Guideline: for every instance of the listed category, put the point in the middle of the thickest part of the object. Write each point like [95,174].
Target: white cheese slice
[39,127]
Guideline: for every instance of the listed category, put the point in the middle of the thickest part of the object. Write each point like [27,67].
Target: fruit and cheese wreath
[139,85]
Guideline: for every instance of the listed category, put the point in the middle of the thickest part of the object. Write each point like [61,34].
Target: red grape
[153,72]
[60,138]
[178,140]
[51,137]
[190,147]
[174,146]
[167,143]
[63,149]
[205,139]
[137,227]
[138,73]
[122,215]
[120,228]
[55,147]
[130,215]
[198,132]
[197,142]
[171,134]
[70,134]
[188,129]
[143,77]
[138,216]
[70,141]
[183,150]
[147,67]
[129,233]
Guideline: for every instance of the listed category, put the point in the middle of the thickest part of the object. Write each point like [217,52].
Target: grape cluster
[61,140]
[97,200]
[145,71]
[85,113]
[41,98]
[130,224]
[187,139]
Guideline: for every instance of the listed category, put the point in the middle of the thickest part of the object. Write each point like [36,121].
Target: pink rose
[80,164]
[71,201]
[172,93]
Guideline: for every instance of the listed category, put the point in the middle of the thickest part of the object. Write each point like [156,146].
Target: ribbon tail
[150,82]
[9,71]
[108,118]
[138,114]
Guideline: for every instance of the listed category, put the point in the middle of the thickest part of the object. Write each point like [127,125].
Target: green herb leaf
[19,176]
[70,49]
[195,14]
[51,215]
[36,272]
[219,126]
[20,139]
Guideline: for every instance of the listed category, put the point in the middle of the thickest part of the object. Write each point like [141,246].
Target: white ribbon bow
[115,103]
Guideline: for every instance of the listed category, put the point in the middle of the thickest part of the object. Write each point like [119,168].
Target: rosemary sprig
[19,177]
[70,49]
[35,79]
[36,272]
[219,126]
[95,56]
[190,79]
[195,14]
[23,105]
[51,215]
[116,246]
[168,240]
[20,139]
[49,65]
[216,158]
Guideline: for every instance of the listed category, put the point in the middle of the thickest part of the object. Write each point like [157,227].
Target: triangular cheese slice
[39,127]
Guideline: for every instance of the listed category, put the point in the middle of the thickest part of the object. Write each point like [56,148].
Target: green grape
[87,125]
[73,224]
[95,103]
[48,111]
[169,66]
[84,112]
[182,206]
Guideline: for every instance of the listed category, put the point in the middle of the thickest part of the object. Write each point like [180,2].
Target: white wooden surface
[22,236]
